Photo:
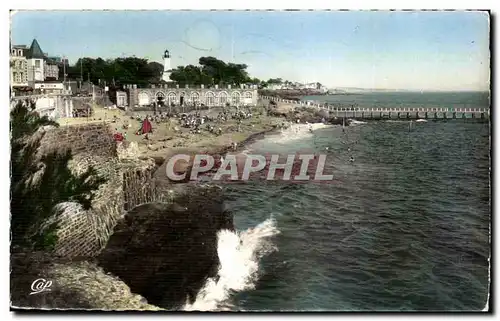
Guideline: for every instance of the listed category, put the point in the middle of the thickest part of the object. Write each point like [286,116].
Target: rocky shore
[165,252]
[76,284]
[293,94]
[159,255]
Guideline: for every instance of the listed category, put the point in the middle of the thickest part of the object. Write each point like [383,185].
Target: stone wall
[139,187]
[85,233]
[129,183]
[84,140]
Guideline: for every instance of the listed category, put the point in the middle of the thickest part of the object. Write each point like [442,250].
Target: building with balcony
[51,70]
[18,67]
[30,66]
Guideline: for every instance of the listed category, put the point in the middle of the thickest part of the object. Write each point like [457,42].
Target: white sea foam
[239,255]
[356,122]
[297,131]
[396,121]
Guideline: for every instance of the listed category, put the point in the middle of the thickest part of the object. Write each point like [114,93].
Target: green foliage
[130,70]
[277,81]
[211,71]
[220,72]
[38,183]
[45,239]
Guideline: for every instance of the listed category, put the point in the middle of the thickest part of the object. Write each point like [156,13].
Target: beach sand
[166,141]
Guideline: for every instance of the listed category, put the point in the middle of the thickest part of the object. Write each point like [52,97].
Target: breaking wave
[297,131]
[239,256]
[356,122]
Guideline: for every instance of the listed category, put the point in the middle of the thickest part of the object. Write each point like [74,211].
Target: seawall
[128,184]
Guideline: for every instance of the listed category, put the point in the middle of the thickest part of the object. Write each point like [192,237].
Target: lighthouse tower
[167,69]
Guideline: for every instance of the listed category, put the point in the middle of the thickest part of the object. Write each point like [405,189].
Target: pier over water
[353,111]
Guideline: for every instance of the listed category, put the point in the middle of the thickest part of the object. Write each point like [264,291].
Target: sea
[404,227]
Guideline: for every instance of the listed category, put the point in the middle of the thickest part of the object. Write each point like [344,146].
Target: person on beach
[118,136]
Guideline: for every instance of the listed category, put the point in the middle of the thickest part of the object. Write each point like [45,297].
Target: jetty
[376,112]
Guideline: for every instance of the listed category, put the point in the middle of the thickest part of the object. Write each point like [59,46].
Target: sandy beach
[170,138]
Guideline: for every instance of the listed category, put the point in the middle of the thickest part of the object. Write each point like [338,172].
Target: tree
[156,70]
[133,70]
[277,81]
[38,183]
[211,71]
[189,74]
[255,81]
[119,71]
[213,68]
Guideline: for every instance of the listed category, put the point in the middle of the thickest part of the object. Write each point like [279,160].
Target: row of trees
[130,70]
[211,71]
[133,70]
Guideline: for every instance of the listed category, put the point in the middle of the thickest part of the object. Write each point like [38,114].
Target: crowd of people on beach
[192,121]
[213,125]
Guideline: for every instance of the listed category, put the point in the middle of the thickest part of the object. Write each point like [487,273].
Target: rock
[153,148]
[337,121]
[76,284]
[166,252]
[127,150]
[323,113]
[284,108]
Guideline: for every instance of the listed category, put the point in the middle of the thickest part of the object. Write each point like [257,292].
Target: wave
[239,256]
[397,121]
[297,131]
[356,122]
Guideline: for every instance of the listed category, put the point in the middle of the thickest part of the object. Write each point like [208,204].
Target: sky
[430,51]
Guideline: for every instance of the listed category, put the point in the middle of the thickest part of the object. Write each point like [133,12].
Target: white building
[40,67]
[167,68]
[36,64]
[50,87]
[121,99]
[275,86]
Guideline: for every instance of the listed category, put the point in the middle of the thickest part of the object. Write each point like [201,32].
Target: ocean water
[409,99]
[405,227]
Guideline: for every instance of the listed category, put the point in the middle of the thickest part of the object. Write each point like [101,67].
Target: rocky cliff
[160,252]
[165,252]
[75,284]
